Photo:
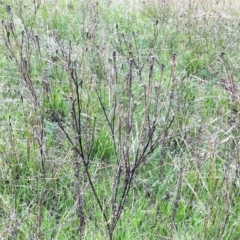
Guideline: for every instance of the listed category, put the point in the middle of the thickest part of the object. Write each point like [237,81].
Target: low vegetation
[119,120]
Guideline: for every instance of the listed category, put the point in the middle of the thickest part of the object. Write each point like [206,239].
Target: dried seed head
[11,26]
[152,59]
[173,59]
[25,65]
[46,73]
[222,55]
[9,10]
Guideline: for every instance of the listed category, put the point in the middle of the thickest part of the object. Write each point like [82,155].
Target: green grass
[188,188]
